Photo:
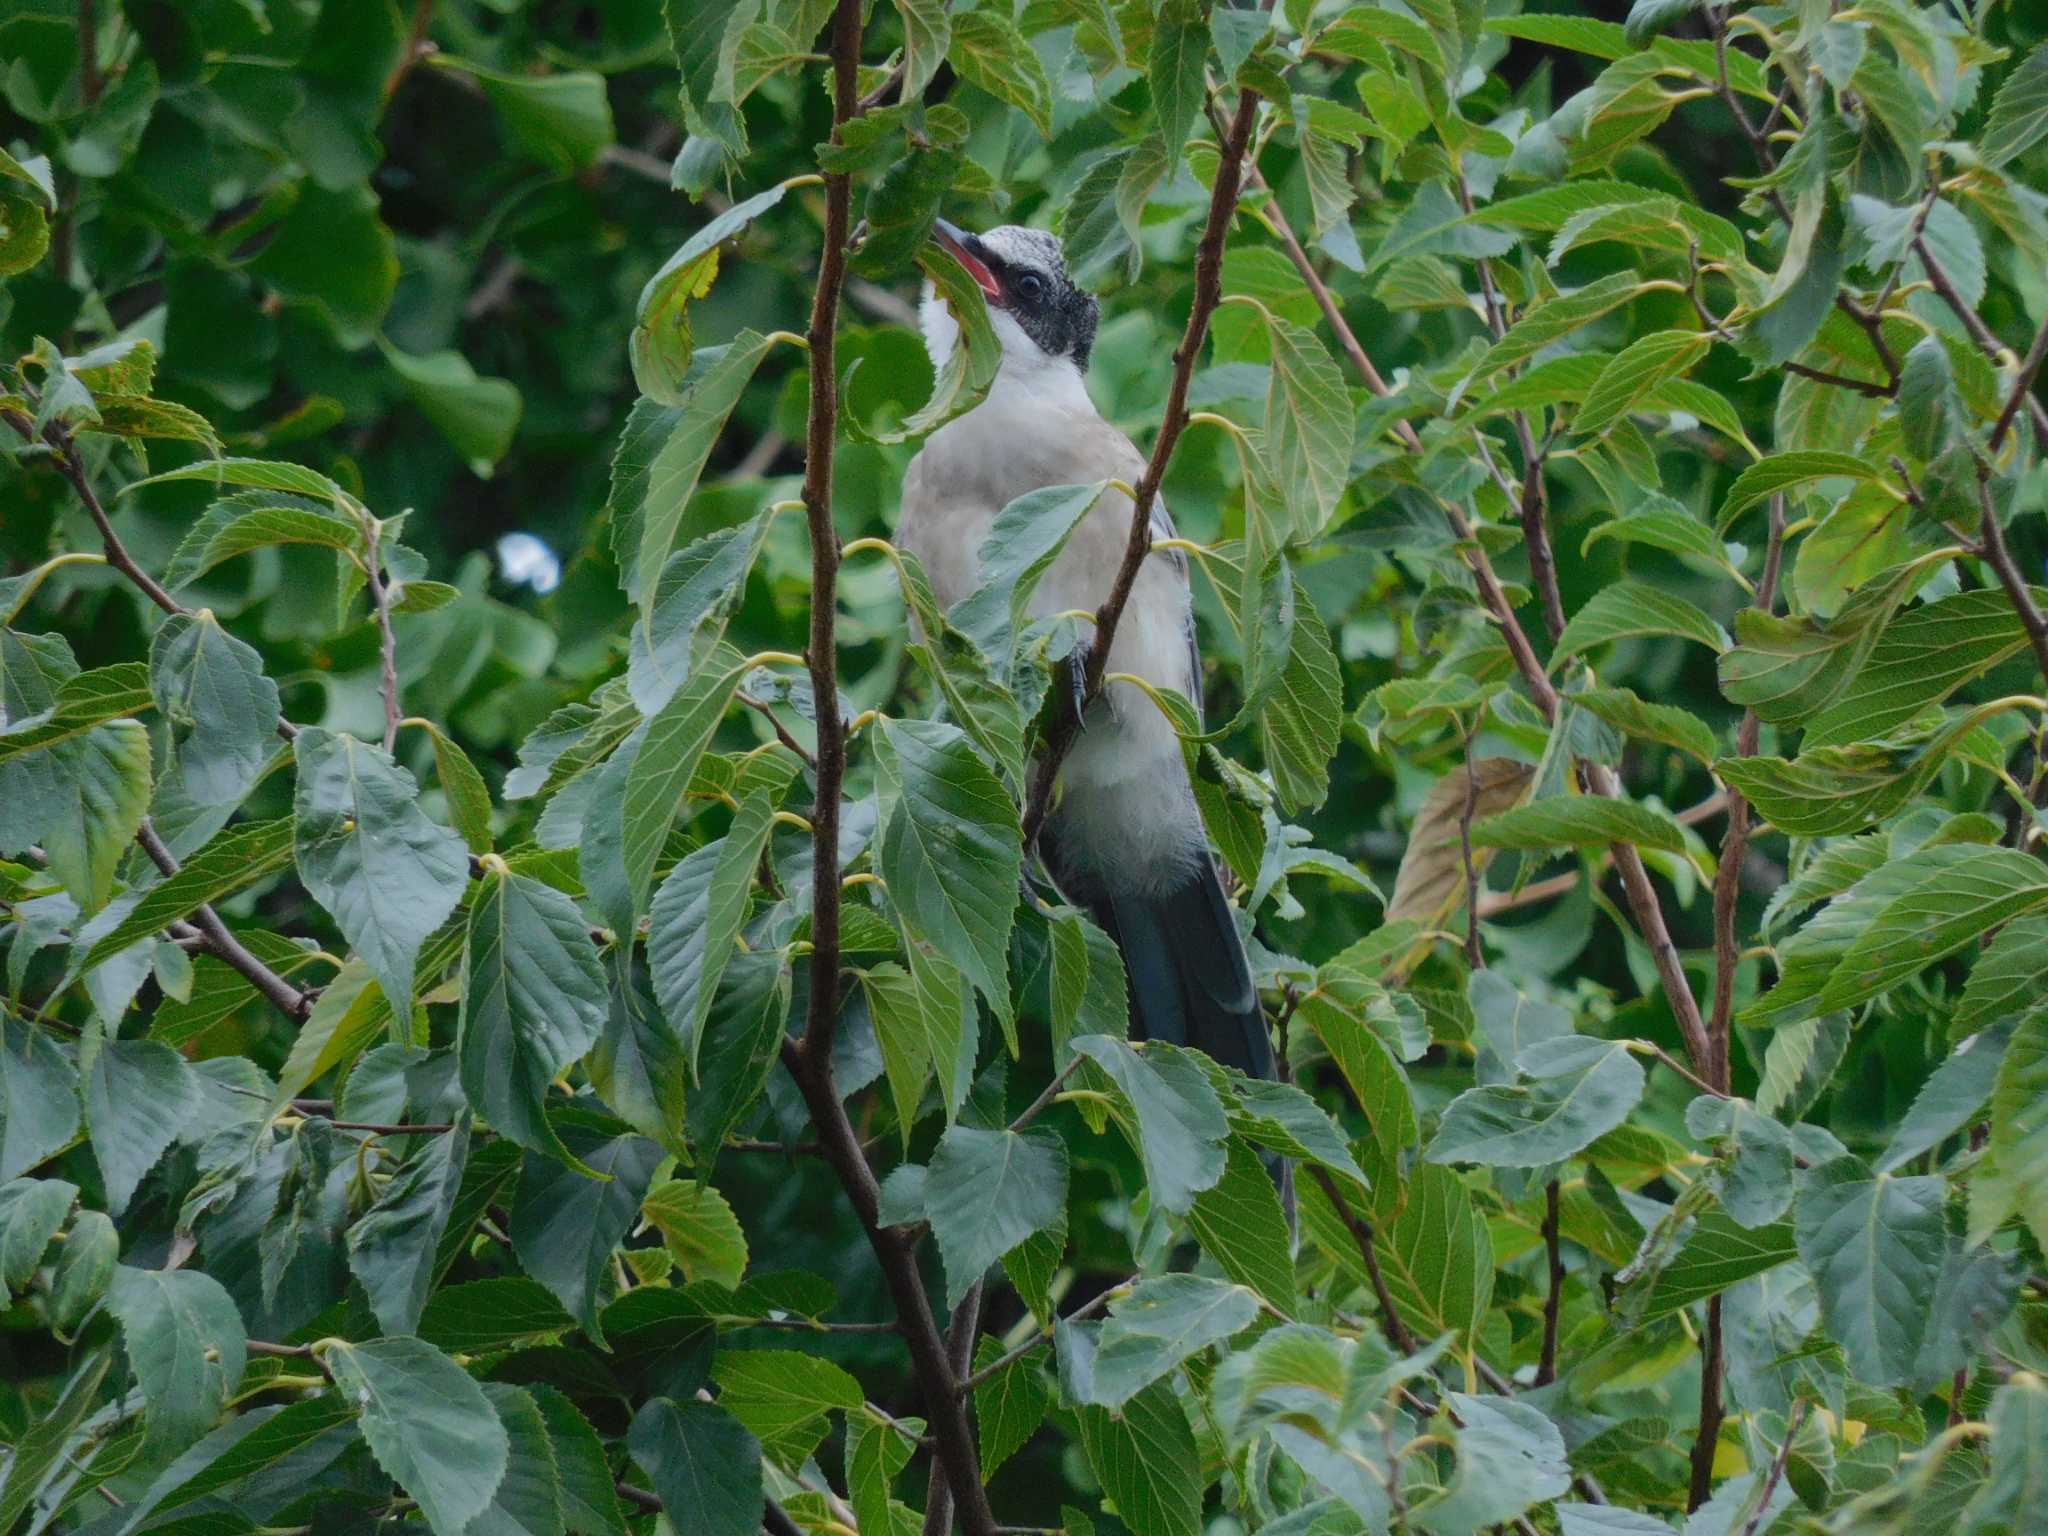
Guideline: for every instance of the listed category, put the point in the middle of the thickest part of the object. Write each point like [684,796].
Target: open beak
[961,243]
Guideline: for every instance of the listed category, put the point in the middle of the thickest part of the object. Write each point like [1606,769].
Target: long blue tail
[1189,979]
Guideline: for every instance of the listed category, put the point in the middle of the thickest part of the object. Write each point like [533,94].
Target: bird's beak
[960,243]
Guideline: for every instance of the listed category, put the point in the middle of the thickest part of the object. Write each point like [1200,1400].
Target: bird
[1124,840]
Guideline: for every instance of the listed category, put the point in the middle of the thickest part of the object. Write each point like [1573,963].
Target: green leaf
[1158,1325]
[40,1447]
[138,1095]
[876,1454]
[1436,1256]
[31,1212]
[1578,821]
[259,519]
[1180,1124]
[988,51]
[1009,1404]
[428,1424]
[1720,1252]
[2009,1498]
[1574,1091]
[971,361]
[566,1224]
[1916,660]
[920,1017]
[1783,473]
[699,1229]
[533,1001]
[81,789]
[563,120]
[231,861]
[663,348]
[38,1099]
[528,1499]
[986,1192]
[661,770]
[784,1397]
[1308,425]
[1552,321]
[590,1506]
[1180,51]
[1240,1224]
[742,1042]
[391,1248]
[662,452]
[478,416]
[698,587]
[1510,1457]
[186,1345]
[1022,543]
[1629,608]
[1146,1462]
[211,689]
[1875,1244]
[2019,112]
[1934,917]
[484,1315]
[1634,373]
[950,849]
[637,1066]
[24,232]
[469,798]
[348,1015]
[2007,979]
[367,853]
[1951,1097]
[703,1463]
[1665,723]
[2011,1181]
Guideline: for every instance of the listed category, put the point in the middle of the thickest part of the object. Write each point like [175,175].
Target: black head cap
[1024,273]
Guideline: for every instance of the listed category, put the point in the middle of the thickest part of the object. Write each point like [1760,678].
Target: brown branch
[1005,1361]
[1642,896]
[1868,387]
[1998,556]
[960,1335]
[1475,954]
[1361,1234]
[1980,333]
[293,1002]
[1777,1473]
[1553,1301]
[895,1253]
[1711,1413]
[809,1059]
[1208,293]
[821,654]
[2020,386]
[417,47]
[762,708]
[72,467]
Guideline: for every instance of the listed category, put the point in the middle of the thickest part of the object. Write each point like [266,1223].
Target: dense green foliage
[438,1089]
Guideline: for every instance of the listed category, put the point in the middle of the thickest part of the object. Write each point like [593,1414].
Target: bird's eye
[1030,286]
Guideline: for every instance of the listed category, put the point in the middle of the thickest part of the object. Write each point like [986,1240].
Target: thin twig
[1475,954]
[387,637]
[1773,1477]
[1711,1411]
[1998,556]
[1208,293]
[809,1058]
[2029,367]
[1011,1357]
[1553,1301]
[1038,1105]
[1362,1235]
[293,1002]
[960,1335]
[1980,333]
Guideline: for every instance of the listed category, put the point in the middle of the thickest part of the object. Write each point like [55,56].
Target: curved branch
[1208,293]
